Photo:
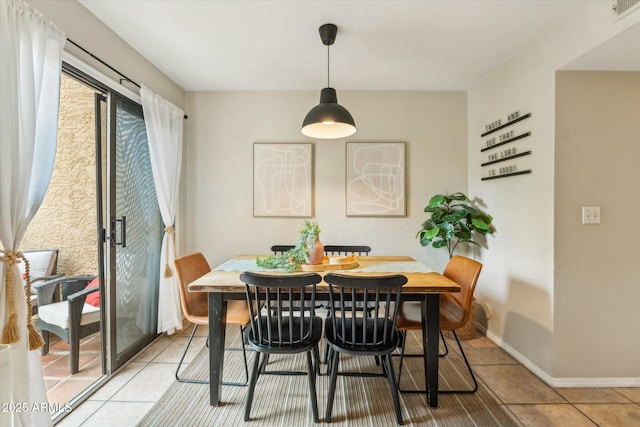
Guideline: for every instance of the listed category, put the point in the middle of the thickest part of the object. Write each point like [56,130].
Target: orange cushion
[94,297]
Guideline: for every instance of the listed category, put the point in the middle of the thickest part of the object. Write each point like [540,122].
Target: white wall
[518,279]
[216,215]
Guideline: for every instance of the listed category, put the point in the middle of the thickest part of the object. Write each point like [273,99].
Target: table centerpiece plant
[453,221]
[308,250]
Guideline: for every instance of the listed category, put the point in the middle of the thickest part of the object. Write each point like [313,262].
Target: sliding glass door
[107,224]
[134,235]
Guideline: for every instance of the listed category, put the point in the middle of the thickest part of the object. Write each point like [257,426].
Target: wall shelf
[515,138]
[526,116]
[504,175]
[526,153]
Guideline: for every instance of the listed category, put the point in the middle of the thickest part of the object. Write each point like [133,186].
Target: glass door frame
[106,262]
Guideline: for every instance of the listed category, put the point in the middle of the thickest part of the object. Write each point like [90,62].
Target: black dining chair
[346,250]
[348,331]
[277,331]
[331,250]
[281,249]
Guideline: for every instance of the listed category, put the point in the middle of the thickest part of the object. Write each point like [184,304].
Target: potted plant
[453,221]
[308,250]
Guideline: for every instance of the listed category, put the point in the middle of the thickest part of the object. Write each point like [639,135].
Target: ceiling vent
[622,8]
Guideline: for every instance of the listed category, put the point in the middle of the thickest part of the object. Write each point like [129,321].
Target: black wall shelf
[526,153]
[515,138]
[504,175]
[526,116]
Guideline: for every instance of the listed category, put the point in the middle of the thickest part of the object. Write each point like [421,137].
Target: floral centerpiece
[308,250]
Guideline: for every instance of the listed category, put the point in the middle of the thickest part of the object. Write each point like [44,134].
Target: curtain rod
[124,77]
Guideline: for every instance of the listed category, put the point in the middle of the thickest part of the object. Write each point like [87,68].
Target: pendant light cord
[328,59]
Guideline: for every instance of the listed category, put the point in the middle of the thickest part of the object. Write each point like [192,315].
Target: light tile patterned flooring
[126,398]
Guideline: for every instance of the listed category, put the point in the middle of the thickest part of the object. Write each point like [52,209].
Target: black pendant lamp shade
[328,120]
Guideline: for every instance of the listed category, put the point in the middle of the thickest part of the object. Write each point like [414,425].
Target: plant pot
[316,254]
[468,331]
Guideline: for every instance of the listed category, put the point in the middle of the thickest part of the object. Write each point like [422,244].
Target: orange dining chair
[196,308]
[454,312]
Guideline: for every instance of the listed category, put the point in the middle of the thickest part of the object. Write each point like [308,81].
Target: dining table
[423,284]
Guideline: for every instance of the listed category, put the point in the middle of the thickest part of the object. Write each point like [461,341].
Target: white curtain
[31,52]
[164,132]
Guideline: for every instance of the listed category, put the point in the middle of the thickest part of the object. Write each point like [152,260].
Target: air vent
[625,7]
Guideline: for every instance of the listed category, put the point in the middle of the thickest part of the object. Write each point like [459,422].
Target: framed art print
[375,179]
[283,179]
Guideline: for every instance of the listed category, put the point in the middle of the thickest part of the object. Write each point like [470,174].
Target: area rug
[359,401]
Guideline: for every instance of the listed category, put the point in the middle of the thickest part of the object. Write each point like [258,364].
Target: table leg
[431,323]
[217,329]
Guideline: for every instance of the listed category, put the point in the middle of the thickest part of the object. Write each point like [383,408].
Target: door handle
[123,231]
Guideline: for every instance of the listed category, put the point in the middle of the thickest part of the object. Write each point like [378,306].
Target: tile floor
[125,399]
[60,384]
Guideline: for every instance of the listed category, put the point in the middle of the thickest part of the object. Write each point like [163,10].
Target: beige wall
[597,276]
[216,215]
[519,276]
[67,219]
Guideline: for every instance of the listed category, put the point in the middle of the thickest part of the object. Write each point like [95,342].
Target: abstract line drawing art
[375,179]
[283,179]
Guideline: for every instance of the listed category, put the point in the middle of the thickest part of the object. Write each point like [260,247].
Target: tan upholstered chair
[195,306]
[454,310]
[43,266]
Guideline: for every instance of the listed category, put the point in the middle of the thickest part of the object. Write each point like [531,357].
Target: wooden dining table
[425,285]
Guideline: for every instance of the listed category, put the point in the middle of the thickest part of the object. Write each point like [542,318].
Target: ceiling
[381,45]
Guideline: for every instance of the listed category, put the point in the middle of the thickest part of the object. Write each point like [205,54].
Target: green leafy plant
[453,221]
[292,259]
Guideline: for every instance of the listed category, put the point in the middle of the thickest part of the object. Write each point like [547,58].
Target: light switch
[591,214]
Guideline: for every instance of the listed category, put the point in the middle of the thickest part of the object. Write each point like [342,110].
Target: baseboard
[558,382]
[596,382]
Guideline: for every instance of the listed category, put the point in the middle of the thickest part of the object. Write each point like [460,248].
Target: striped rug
[359,401]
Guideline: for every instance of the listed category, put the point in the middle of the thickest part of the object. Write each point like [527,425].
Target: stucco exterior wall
[67,218]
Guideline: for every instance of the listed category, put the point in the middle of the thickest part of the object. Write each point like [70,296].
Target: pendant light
[328,120]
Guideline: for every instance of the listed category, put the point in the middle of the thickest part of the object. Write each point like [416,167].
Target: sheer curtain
[164,131]
[31,50]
